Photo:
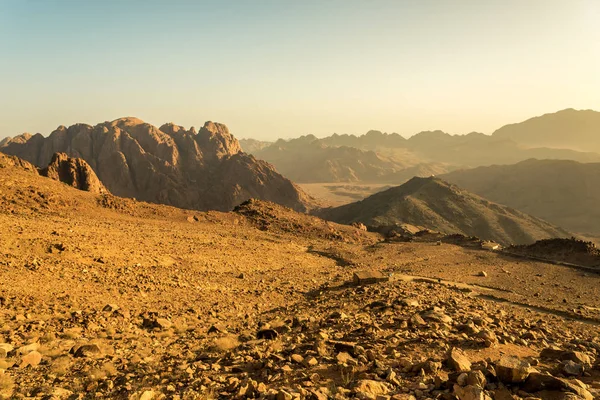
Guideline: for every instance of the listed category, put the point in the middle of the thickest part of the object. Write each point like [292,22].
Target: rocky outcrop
[203,170]
[74,172]
[12,161]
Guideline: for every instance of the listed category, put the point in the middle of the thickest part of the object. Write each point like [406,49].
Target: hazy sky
[283,68]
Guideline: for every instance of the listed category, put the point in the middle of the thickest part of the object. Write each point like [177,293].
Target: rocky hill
[565,193]
[74,172]
[568,129]
[202,170]
[440,206]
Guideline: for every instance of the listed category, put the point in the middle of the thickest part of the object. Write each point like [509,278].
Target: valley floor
[110,298]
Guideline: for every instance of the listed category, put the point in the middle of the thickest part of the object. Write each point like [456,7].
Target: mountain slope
[571,129]
[202,170]
[308,159]
[566,193]
[440,206]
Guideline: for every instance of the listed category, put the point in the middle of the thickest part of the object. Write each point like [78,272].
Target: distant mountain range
[201,170]
[390,158]
[435,204]
[308,159]
[568,129]
[563,192]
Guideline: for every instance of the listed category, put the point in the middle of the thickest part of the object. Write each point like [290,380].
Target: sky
[284,68]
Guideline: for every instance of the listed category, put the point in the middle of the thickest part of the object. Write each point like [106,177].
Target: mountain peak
[438,205]
[126,121]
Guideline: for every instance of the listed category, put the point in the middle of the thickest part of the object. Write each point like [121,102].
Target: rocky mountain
[378,157]
[202,170]
[250,146]
[372,140]
[440,206]
[569,129]
[476,149]
[566,193]
[308,159]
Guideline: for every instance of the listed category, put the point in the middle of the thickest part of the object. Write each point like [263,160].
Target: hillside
[307,159]
[437,205]
[201,170]
[565,193]
[107,297]
[568,129]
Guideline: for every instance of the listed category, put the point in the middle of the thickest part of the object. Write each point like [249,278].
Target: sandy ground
[161,292]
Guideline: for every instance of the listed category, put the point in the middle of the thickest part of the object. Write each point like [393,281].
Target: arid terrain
[104,297]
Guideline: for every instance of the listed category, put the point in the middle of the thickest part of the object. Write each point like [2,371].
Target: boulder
[510,369]
[368,277]
[458,360]
[370,388]
[470,392]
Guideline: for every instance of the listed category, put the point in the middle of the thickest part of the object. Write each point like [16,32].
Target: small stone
[368,277]
[571,368]
[88,350]
[163,323]
[344,358]
[147,395]
[283,395]
[110,308]
[458,360]
[510,369]
[297,358]
[476,378]
[268,334]
[470,393]
[310,361]
[33,359]
[5,348]
[370,388]
[482,274]
[409,302]
[576,356]
[28,348]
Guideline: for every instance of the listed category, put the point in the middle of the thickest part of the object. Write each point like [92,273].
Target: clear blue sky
[283,68]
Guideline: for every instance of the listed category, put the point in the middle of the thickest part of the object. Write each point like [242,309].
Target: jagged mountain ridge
[435,204]
[391,158]
[308,159]
[204,169]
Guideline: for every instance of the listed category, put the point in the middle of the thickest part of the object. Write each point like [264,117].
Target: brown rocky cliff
[74,172]
[203,170]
